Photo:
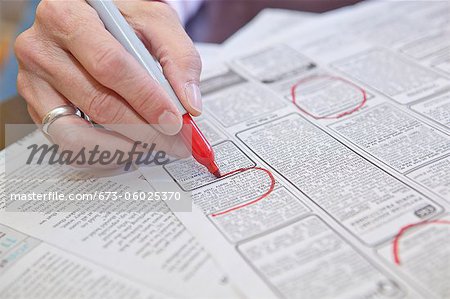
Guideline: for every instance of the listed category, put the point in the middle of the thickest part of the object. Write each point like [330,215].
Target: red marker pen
[201,149]
[116,24]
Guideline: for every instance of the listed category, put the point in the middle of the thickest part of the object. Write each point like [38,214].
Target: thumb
[182,67]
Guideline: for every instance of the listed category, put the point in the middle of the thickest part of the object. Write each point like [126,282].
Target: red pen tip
[214,169]
[201,149]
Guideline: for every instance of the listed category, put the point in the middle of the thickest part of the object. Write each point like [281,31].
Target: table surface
[215,21]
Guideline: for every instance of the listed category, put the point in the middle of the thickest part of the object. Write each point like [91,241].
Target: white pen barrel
[116,24]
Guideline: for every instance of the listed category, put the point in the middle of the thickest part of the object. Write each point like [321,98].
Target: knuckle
[108,61]
[45,9]
[167,11]
[187,62]
[190,61]
[163,53]
[61,18]
[35,54]
[51,12]
[159,10]
[104,108]
[22,49]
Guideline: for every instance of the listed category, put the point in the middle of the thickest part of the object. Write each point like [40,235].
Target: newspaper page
[32,268]
[47,251]
[337,143]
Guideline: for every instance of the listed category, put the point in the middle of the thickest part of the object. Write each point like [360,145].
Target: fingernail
[193,96]
[169,123]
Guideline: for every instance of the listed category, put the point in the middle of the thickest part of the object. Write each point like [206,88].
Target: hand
[68,56]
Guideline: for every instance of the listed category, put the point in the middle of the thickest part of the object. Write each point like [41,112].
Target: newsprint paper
[336,134]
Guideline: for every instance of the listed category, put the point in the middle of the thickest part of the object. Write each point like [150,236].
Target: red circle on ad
[396,247]
[272,185]
[296,101]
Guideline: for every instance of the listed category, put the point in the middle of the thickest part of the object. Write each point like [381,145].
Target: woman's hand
[67,56]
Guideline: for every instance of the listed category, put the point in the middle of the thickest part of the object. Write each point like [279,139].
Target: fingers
[169,43]
[34,89]
[60,72]
[73,58]
[67,132]
[84,36]
[73,134]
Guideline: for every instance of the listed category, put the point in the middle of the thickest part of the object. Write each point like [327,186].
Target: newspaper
[343,128]
[51,252]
